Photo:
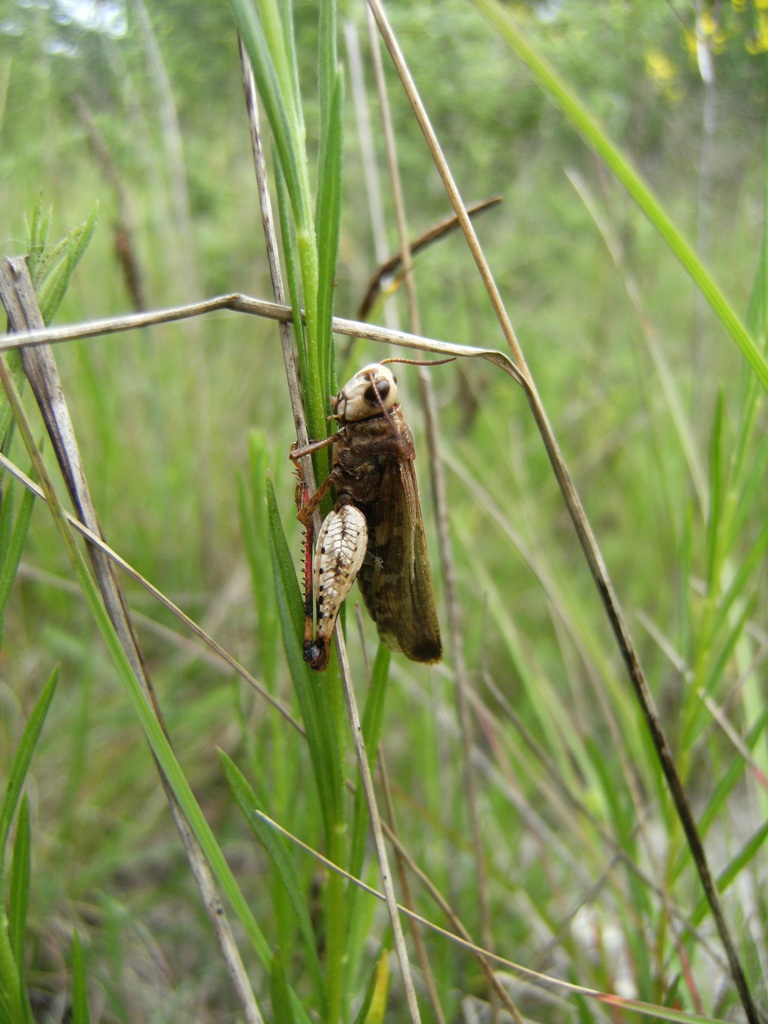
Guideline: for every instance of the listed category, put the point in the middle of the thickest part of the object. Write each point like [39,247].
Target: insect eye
[382,389]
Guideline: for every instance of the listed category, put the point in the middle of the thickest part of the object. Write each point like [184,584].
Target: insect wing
[395,578]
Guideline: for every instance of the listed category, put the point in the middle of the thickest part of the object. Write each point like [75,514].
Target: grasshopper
[375,531]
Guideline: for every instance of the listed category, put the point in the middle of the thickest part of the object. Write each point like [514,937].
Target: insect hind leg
[341,546]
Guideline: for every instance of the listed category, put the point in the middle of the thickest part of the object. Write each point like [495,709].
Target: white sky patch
[106,16]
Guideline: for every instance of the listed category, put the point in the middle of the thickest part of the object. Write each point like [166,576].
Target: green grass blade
[314,401]
[291,611]
[37,235]
[737,587]
[279,854]
[13,1002]
[18,902]
[18,899]
[255,527]
[6,526]
[732,775]
[10,1012]
[80,1012]
[757,311]
[372,723]
[328,208]
[757,321]
[278,988]
[268,39]
[733,870]
[715,509]
[59,265]
[359,911]
[327,62]
[374,1003]
[327,220]
[598,139]
[21,763]
[13,359]
[12,546]
[275,91]
[292,63]
[291,270]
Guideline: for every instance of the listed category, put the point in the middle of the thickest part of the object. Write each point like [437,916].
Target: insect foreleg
[308,505]
[297,453]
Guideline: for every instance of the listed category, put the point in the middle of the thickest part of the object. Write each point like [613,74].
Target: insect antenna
[419,362]
[409,362]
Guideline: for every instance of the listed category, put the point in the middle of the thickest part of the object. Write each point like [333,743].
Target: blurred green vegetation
[143,112]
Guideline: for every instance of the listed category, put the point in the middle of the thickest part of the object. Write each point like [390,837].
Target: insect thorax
[363,451]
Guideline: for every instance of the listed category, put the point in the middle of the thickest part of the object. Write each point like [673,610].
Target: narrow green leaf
[13,360]
[327,220]
[733,774]
[314,400]
[744,461]
[743,858]
[374,1003]
[685,630]
[14,1002]
[719,668]
[757,312]
[279,854]
[6,519]
[597,137]
[733,870]
[289,38]
[10,1006]
[285,577]
[37,236]
[738,586]
[61,265]
[291,269]
[709,685]
[12,997]
[373,720]
[327,62]
[18,898]
[275,91]
[281,999]
[255,527]
[716,489]
[21,762]
[373,716]
[276,17]
[13,547]
[80,1012]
